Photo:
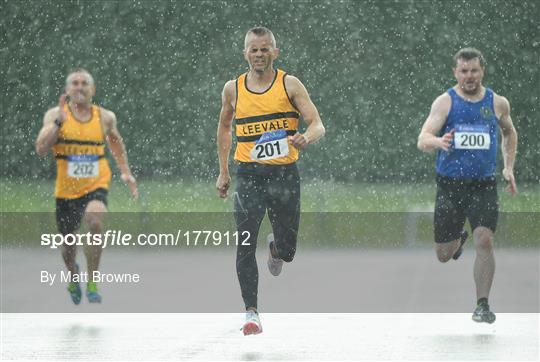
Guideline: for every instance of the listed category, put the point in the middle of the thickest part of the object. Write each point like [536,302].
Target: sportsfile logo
[120,238]
[110,237]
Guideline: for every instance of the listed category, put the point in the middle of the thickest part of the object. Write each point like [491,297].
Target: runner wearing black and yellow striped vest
[264,113]
[81,166]
[75,132]
[264,106]
[82,171]
[265,185]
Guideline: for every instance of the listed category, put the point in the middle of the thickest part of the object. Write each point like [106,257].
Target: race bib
[472,137]
[83,166]
[271,145]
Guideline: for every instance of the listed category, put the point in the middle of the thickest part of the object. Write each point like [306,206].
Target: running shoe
[274,264]
[464,236]
[483,314]
[74,289]
[253,324]
[92,293]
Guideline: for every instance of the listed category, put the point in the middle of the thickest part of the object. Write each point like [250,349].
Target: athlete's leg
[69,214]
[249,210]
[94,213]
[283,202]
[484,264]
[447,250]
[449,219]
[483,215]
[69,254]
[484,270]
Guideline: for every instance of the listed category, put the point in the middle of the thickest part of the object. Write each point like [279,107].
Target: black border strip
[64,141]
[267,117]
[65,157]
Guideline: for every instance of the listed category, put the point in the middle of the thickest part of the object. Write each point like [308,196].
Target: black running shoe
[464,236]
[483,314]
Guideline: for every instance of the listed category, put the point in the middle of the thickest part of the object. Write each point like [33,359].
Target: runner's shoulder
[444,97]
[107,115]
[501,102]
[54,111]
[291,81]
[229,89]
[51,114]
[442,102]
[230,85]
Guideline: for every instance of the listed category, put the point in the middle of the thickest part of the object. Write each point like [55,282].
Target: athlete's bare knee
[94,222]
[95,225]
[484,244]
[94,216]
[443,257]
[483,239]
[443,252]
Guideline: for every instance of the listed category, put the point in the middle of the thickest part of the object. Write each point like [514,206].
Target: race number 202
[83,166]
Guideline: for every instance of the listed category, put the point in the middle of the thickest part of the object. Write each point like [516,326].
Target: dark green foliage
[372,68]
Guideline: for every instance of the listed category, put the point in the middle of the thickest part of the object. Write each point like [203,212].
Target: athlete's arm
[48,135]
[224,137]
[301,100]
[118,149]
[509,142]
[428,140]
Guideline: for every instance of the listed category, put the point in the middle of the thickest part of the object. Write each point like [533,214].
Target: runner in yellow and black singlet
[265,105]
[76,132]
[80,156]
[263,113]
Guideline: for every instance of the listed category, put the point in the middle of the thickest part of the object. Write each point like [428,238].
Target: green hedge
[372,68]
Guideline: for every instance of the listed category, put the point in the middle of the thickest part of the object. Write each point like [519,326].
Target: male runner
[463,127]
[266,105]
[76,131]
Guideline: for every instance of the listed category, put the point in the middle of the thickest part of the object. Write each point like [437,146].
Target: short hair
[468,54]
[80,70]
[260,31]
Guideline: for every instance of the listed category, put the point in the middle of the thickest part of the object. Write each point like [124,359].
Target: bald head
[80,71]
[259,31]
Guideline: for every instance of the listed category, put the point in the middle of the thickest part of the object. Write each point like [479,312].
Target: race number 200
[472,137]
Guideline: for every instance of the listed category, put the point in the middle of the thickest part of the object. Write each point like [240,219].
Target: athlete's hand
[446,140]
[222,184]
[299,140]
[62,116]
[132,184]
[509,176]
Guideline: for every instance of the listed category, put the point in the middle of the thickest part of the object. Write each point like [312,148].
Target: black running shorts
[69,212]
[458,200]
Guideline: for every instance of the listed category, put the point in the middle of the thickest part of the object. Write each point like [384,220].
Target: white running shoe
[253,324]
[274,264]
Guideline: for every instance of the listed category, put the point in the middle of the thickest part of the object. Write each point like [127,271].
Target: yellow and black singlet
[263,121]
[81,166]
